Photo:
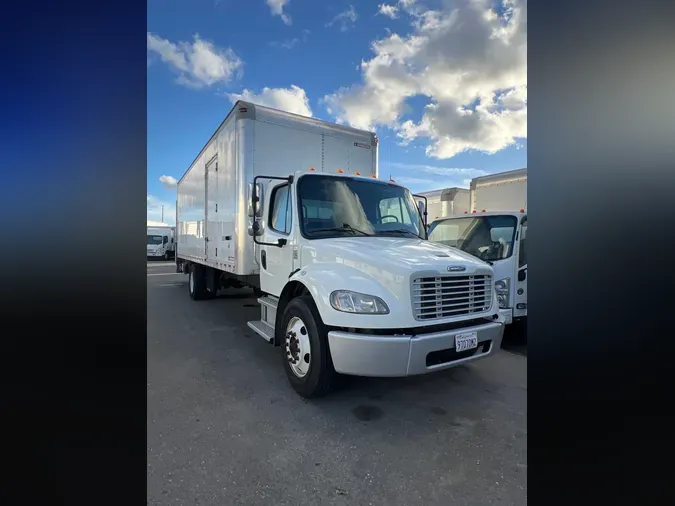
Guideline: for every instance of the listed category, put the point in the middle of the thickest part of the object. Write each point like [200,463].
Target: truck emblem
[456,268]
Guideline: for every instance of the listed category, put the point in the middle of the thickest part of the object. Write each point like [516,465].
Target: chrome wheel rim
[297,347]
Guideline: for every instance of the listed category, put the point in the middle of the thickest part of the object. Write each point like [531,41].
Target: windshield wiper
[401,231]
[346,227]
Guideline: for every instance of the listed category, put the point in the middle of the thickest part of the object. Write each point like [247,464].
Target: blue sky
[443,83]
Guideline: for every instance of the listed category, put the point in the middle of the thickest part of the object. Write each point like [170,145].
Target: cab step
[263,329]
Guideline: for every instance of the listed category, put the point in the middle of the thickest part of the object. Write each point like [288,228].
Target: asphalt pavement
[225,428]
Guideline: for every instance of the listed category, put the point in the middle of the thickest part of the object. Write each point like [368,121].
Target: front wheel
[166,256]
[304,349]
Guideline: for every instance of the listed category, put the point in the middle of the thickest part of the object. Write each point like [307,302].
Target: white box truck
[496,232]
[161,242]
[347,282]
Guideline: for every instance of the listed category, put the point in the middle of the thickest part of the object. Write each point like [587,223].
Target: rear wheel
[304,350]
[196,282]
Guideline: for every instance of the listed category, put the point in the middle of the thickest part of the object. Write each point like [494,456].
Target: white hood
[384,267]
[402,256]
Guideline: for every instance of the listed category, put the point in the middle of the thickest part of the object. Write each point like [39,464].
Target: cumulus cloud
[199,63]
[345,20]
[293,99]
[391,11]
[467,59]
[169,182]
[277,8]
[154,208]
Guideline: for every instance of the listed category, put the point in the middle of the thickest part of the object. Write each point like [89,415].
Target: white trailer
[347,282]
[161,242]
[495,231]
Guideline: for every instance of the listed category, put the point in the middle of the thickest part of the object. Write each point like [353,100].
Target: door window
[522,256]
[280,219]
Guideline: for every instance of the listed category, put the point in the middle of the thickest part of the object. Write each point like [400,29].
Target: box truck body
[446,202]
[347,282]
[213,195]
[505,191]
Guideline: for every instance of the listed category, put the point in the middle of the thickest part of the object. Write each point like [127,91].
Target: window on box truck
[486,237]
[154,239]
[336,206]
[280,219]
[522,256]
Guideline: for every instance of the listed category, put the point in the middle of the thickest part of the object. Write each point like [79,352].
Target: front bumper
[389,356]
[507,315]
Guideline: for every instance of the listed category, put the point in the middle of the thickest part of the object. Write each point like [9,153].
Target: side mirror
[165,240]
[420,206]
[257,194]
[255,228]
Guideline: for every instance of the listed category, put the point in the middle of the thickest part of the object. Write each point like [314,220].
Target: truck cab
[351,284]
[160,243]
[498,238]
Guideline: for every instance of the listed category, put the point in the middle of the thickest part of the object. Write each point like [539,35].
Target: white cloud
[468,61]
[199,63]
[291,43]
[277,8]
[431,177]
[293,99]
[169,182]
[154,208]
[286,44]
[391,11]
[345,19]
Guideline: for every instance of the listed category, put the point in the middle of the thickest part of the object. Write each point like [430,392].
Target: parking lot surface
[224,427]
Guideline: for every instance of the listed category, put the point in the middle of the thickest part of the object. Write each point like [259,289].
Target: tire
[196,282]
[320,376]
[166,256]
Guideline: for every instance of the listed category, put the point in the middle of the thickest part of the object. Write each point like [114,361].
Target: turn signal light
[357,173]
[312,169]
[522,210]
[340,171]
[373,176]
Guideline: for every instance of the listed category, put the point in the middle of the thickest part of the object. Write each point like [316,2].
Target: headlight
[503,296]
[353,302]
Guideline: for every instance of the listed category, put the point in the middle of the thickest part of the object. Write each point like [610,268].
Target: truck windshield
[486,237]
[154,239]
[333,206]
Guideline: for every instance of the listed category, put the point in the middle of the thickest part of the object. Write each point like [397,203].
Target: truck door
[521,274]
[276,263]
[212,234]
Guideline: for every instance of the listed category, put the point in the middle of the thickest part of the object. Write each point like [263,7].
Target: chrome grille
[446,296]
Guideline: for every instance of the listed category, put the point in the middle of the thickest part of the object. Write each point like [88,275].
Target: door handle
[263,259]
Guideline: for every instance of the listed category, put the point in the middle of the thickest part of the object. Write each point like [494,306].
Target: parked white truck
[347,282]
[496,232]
[161,242]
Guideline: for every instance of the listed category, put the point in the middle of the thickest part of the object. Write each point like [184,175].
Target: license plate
[467,341]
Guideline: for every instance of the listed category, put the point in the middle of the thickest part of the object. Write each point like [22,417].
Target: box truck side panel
[192,212]
[223,239]
[501,196]
[283,150]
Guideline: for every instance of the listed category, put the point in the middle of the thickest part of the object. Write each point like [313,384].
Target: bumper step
[263,329]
